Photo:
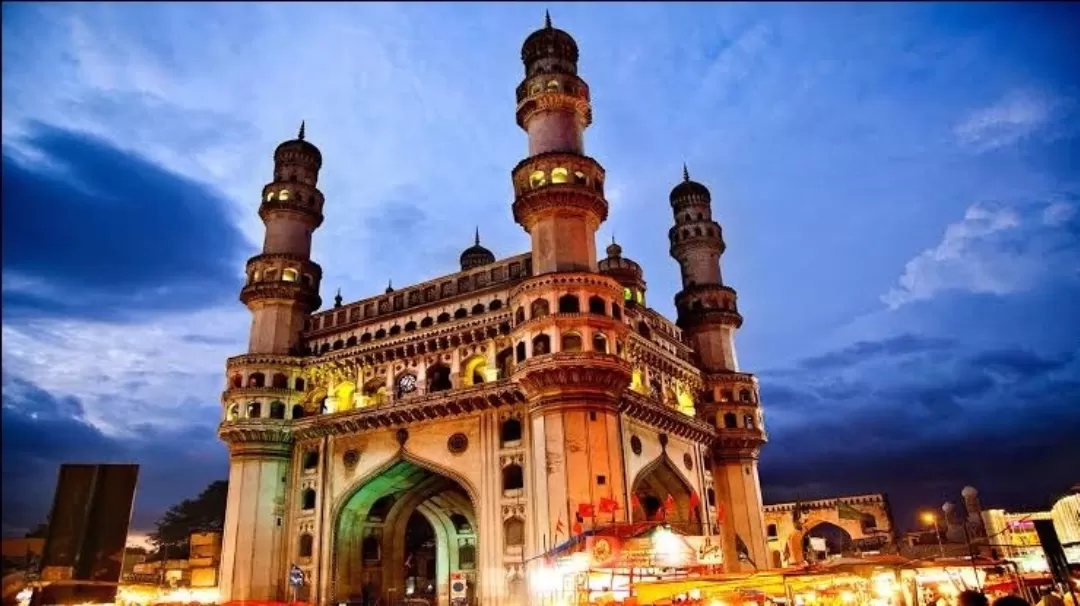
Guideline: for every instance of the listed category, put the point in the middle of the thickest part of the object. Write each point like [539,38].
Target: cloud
[94,232]
[916,414]
[41,431]
[1016,116]
[995,249]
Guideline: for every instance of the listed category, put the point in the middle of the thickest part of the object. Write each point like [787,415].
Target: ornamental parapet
[299,268]
[257,436]
[439,337]
[666,419]
[438,405]
[245,361]
[707,235]
[233,394]
[690,319]
[567,282]
[571,84]
[738,444]
[305,294]
[641,350]
[573,378]
[554,100]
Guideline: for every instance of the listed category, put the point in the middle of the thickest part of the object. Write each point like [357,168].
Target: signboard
[296,576]
[707,550]
[459,588]
[818,544]
[603,551]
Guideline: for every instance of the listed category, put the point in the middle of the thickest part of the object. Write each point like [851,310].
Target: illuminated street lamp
[930,519]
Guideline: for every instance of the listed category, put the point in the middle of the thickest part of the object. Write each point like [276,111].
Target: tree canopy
[204,513]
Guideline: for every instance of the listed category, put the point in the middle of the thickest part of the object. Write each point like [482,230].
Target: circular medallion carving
[458,443]
[407,384]
[688,461]
[350,458]
[635,445]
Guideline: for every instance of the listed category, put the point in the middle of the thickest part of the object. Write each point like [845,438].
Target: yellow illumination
[627,294]
[471,366]
[284,195]
[537,179]
[343,393]
[637,382]
[686,403]
[289,275]
[929,518]
[559,175]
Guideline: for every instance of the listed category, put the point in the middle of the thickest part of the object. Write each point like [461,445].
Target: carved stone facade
[484,407]
[865,522]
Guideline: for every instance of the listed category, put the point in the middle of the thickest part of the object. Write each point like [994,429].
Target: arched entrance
[837,542]
[400,534]
[654,485]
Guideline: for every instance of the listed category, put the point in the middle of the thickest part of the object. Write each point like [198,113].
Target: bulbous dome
[476,255]
[301,145]
[625,270]
[547,43]
[689,191]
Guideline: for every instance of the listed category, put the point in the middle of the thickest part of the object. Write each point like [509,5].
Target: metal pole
[937,532]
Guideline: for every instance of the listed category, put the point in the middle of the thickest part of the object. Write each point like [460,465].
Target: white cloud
[994,249]
[1014,117]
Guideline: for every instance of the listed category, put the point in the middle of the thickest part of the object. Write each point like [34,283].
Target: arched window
[410,326]
[233,414]
[269,196]
[324,348]
[599,343]
[299,384]
[559,175]
[748,421]
[284,195]
[597,306]
[579,178]
[519,315]
[644,330]
[395,330]
[365,338]
[478,309]
[569,304]
[771,531]
[519,352]
[744,395]
[277,410]
[495,305]
[351,341]
[338,344]
[541,345]
[512,478]
[280,381]
[289,275]
[307,545]
[616,311]
[298,411]
[514,533]
[553,85]
[443,318]
[461,523]
[306,279]
[311,458]
[237,381]
[254,410]
[461,313]
[730,421]
[726,395]
[467,556]
[710,496]
[571,342]
[438,378]
[307,499]
[510,434]
[380,334]
[427,321]
[257,379]
[504,362]
[380,509]
[539,308]
[537,179]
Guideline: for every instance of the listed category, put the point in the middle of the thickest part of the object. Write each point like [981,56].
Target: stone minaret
[559,191]
[567,320]
[281,289]
[708,316]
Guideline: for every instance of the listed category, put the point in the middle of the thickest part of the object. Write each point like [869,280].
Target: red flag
[608,505]
[585,510]
[559,526]
[661,513]
[669,505]
[721,513]
[635,502]
[694,502]
[577,528]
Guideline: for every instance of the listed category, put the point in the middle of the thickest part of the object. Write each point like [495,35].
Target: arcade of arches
[401,533]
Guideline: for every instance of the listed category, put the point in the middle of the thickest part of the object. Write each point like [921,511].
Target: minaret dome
[476,255]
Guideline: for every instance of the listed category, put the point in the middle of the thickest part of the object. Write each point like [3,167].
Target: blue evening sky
[898,186]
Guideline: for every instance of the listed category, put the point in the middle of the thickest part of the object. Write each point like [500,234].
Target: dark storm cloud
[919,418]
[92,231]
[41,431]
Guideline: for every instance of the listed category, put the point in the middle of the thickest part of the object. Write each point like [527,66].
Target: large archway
[653,486]
[401,534]
[833,538]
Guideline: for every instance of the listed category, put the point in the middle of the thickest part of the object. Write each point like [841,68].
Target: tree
[205,513]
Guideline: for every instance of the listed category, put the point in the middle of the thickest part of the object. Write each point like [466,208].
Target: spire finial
[390,285]
[478,235]
[337,298]
[547,19]
[613,237]
[685,172]
[301,135]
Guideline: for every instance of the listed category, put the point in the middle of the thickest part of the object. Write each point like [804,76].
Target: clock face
[407,384]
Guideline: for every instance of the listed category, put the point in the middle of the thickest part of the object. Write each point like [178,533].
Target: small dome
[476,255]
[969,492]
[302,145]
[689,191]
[613,249]
[549,42]
[625,270]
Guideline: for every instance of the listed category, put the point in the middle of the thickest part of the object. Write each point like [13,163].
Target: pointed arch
[660,478]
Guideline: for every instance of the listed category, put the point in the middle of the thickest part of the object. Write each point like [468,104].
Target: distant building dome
[476,255]
[301,145]
[626,271]
[689,191]
[969,492]
[549,43]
